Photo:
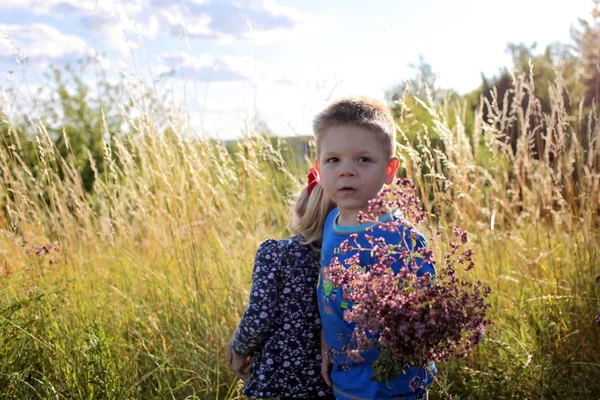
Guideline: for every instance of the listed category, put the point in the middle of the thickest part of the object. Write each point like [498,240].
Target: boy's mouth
[347,189]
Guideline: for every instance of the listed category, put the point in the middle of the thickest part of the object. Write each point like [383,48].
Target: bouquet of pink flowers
[412,320]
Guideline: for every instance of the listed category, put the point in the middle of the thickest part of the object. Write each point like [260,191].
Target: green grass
[153,269]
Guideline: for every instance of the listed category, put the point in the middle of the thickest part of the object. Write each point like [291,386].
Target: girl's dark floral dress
[281,327]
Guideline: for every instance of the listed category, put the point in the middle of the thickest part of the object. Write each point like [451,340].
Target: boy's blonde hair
[308,215]
[361,111]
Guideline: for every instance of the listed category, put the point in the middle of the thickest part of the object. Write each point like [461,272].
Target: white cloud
[39,44]
[111,18]
[224,68]
[229,19]
[205,67]
[223,20]
[57,8]
[20,97]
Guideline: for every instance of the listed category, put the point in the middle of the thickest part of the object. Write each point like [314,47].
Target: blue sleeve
[423,266]
[257,321]
[414,240]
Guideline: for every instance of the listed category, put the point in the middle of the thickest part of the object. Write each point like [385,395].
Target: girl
[276,346]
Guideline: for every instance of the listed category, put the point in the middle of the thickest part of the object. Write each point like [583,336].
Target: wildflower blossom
[412,319]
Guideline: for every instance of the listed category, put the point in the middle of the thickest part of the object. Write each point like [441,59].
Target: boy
[355,157]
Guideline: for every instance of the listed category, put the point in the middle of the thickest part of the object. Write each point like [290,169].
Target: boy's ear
[390,171]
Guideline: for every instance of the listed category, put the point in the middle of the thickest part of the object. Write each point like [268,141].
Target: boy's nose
[347,169]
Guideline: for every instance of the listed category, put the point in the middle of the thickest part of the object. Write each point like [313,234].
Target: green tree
[587,48]
[82,120]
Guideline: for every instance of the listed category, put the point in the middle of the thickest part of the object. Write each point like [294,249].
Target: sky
[282,60]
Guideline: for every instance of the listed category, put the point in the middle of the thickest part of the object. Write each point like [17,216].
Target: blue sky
[282,59]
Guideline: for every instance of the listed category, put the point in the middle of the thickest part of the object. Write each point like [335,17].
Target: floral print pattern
[281,326]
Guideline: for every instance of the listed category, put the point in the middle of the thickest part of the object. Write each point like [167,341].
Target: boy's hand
[326,370]
[325,363]
[239,365]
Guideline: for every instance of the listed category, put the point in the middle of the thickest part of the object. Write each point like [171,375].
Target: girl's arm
[239,365]
[257,322]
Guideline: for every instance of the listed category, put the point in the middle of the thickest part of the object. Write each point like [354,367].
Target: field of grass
[132,292]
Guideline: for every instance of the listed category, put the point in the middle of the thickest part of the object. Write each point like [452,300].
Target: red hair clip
[313,179]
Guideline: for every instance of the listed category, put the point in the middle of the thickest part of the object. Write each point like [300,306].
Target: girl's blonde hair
[308,215]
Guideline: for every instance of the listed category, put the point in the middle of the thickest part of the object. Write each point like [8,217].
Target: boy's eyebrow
[328,154]
[365,152]
[360,152]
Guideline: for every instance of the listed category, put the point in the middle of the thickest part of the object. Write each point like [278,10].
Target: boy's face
[354,164]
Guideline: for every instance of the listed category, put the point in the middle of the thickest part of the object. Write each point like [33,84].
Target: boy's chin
[352,210]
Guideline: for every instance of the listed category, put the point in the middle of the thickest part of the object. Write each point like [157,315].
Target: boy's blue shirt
[352,380]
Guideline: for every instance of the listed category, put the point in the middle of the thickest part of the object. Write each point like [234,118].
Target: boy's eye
[364,159]
[332,159]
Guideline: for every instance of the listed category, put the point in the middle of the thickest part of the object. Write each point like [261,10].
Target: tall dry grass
[145,278]
[525,184]
[151,271]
